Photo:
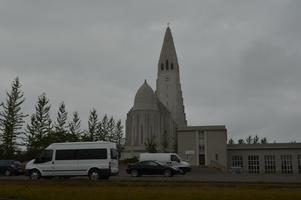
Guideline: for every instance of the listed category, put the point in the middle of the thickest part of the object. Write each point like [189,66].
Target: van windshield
[175,158]
[45,156]
[114,154]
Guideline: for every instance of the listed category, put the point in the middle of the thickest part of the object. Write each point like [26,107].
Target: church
[157,118]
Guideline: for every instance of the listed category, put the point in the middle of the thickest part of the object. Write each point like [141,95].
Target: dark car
[11,167]
[151,168]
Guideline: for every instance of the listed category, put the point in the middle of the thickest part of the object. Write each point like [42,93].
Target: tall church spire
[168,81]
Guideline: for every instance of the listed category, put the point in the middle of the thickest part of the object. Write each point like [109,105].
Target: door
[44,162]
[65,163]
[202,160]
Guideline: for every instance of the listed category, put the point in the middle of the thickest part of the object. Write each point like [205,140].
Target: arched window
[171,66]
[162,66]
[166,65]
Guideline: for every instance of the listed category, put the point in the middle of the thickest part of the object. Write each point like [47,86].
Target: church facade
[157,118]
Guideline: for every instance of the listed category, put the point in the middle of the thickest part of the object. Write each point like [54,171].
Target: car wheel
[134,173]
[34,175]
[168,173]
[7,172]
[94,175]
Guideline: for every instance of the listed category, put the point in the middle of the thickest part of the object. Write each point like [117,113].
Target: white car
[171,159]
[94,159]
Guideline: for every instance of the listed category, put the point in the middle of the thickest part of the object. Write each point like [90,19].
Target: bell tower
[168,87]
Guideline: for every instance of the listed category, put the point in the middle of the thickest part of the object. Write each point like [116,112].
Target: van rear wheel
[94,175]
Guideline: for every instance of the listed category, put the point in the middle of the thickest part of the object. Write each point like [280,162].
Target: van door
[65,163]
[44,162]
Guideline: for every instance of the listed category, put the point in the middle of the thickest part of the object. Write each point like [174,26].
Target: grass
[84,190]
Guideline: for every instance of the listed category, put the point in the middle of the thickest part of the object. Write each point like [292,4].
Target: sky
[240,61]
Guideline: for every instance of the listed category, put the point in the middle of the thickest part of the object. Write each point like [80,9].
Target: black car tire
[94,175]
[34,175]
[135,173]
[7,172]
[168,173]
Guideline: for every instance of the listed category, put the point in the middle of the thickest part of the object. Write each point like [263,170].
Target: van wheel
[7,172]
[94,175]
[34,175]
[134,173]
[168,173]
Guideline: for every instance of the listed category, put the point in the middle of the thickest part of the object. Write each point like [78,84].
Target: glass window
[166,64]
[114,154]
[237,161]
[162,66]
[269,164]
[171,66]
[286,164]
[86,154]
[66,154]
[151,163]
[45,156]
[253,162]
[174,158]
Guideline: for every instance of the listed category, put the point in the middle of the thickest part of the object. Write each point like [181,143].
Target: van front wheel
[34,175]
[94,175]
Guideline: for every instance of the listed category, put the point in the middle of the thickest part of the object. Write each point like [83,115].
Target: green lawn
[84,190]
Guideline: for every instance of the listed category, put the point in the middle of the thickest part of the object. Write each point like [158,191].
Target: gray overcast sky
[240,61]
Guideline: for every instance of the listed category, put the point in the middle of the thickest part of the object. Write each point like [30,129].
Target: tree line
[249,140]
[41,130]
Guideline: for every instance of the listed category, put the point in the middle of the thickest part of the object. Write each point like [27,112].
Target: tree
[74,132]
[111,130]
[249,139]
[256,140]
[60,127]
[231,141]
[150,145]
[103,132]
[12,120]
[93,126]
[241,141]
[264,140]
[38,131]
[118,135]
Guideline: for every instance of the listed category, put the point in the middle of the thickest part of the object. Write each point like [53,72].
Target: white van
[94,159]
[171,159]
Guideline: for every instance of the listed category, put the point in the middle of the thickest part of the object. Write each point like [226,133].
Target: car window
[45,156]
[151,163]
[174,158]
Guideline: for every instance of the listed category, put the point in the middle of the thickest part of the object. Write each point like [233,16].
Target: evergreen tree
[118,135]
[12,120]
[60,134]
[111,130]
[93,126]
[264,140]
[241,141]
[74,128]
[256,140]
[38,131]
[231,141]
[249,139]
[150,145]
[103,129]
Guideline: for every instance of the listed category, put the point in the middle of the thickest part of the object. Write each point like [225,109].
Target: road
[196,175]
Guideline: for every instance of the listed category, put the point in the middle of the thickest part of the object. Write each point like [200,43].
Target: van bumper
[185,169]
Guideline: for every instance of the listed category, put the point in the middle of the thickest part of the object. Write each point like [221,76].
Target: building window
[166,65]
[253,162]
[171,66]
[269,164]
[141,135]
[286,164]
[216,156]
[237,161]
[162,66]
[299,164]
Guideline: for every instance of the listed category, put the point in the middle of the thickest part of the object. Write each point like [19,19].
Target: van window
[174,158]
[45,156]
[85,154]
[66,154]
[114,154]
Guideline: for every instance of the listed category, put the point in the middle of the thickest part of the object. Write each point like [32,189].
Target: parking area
[196,175]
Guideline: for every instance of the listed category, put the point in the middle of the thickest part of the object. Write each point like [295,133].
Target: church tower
[168,81]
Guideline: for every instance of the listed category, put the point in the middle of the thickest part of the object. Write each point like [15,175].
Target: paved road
[196,175]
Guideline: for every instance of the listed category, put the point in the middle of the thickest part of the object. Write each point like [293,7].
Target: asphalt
[196,175]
